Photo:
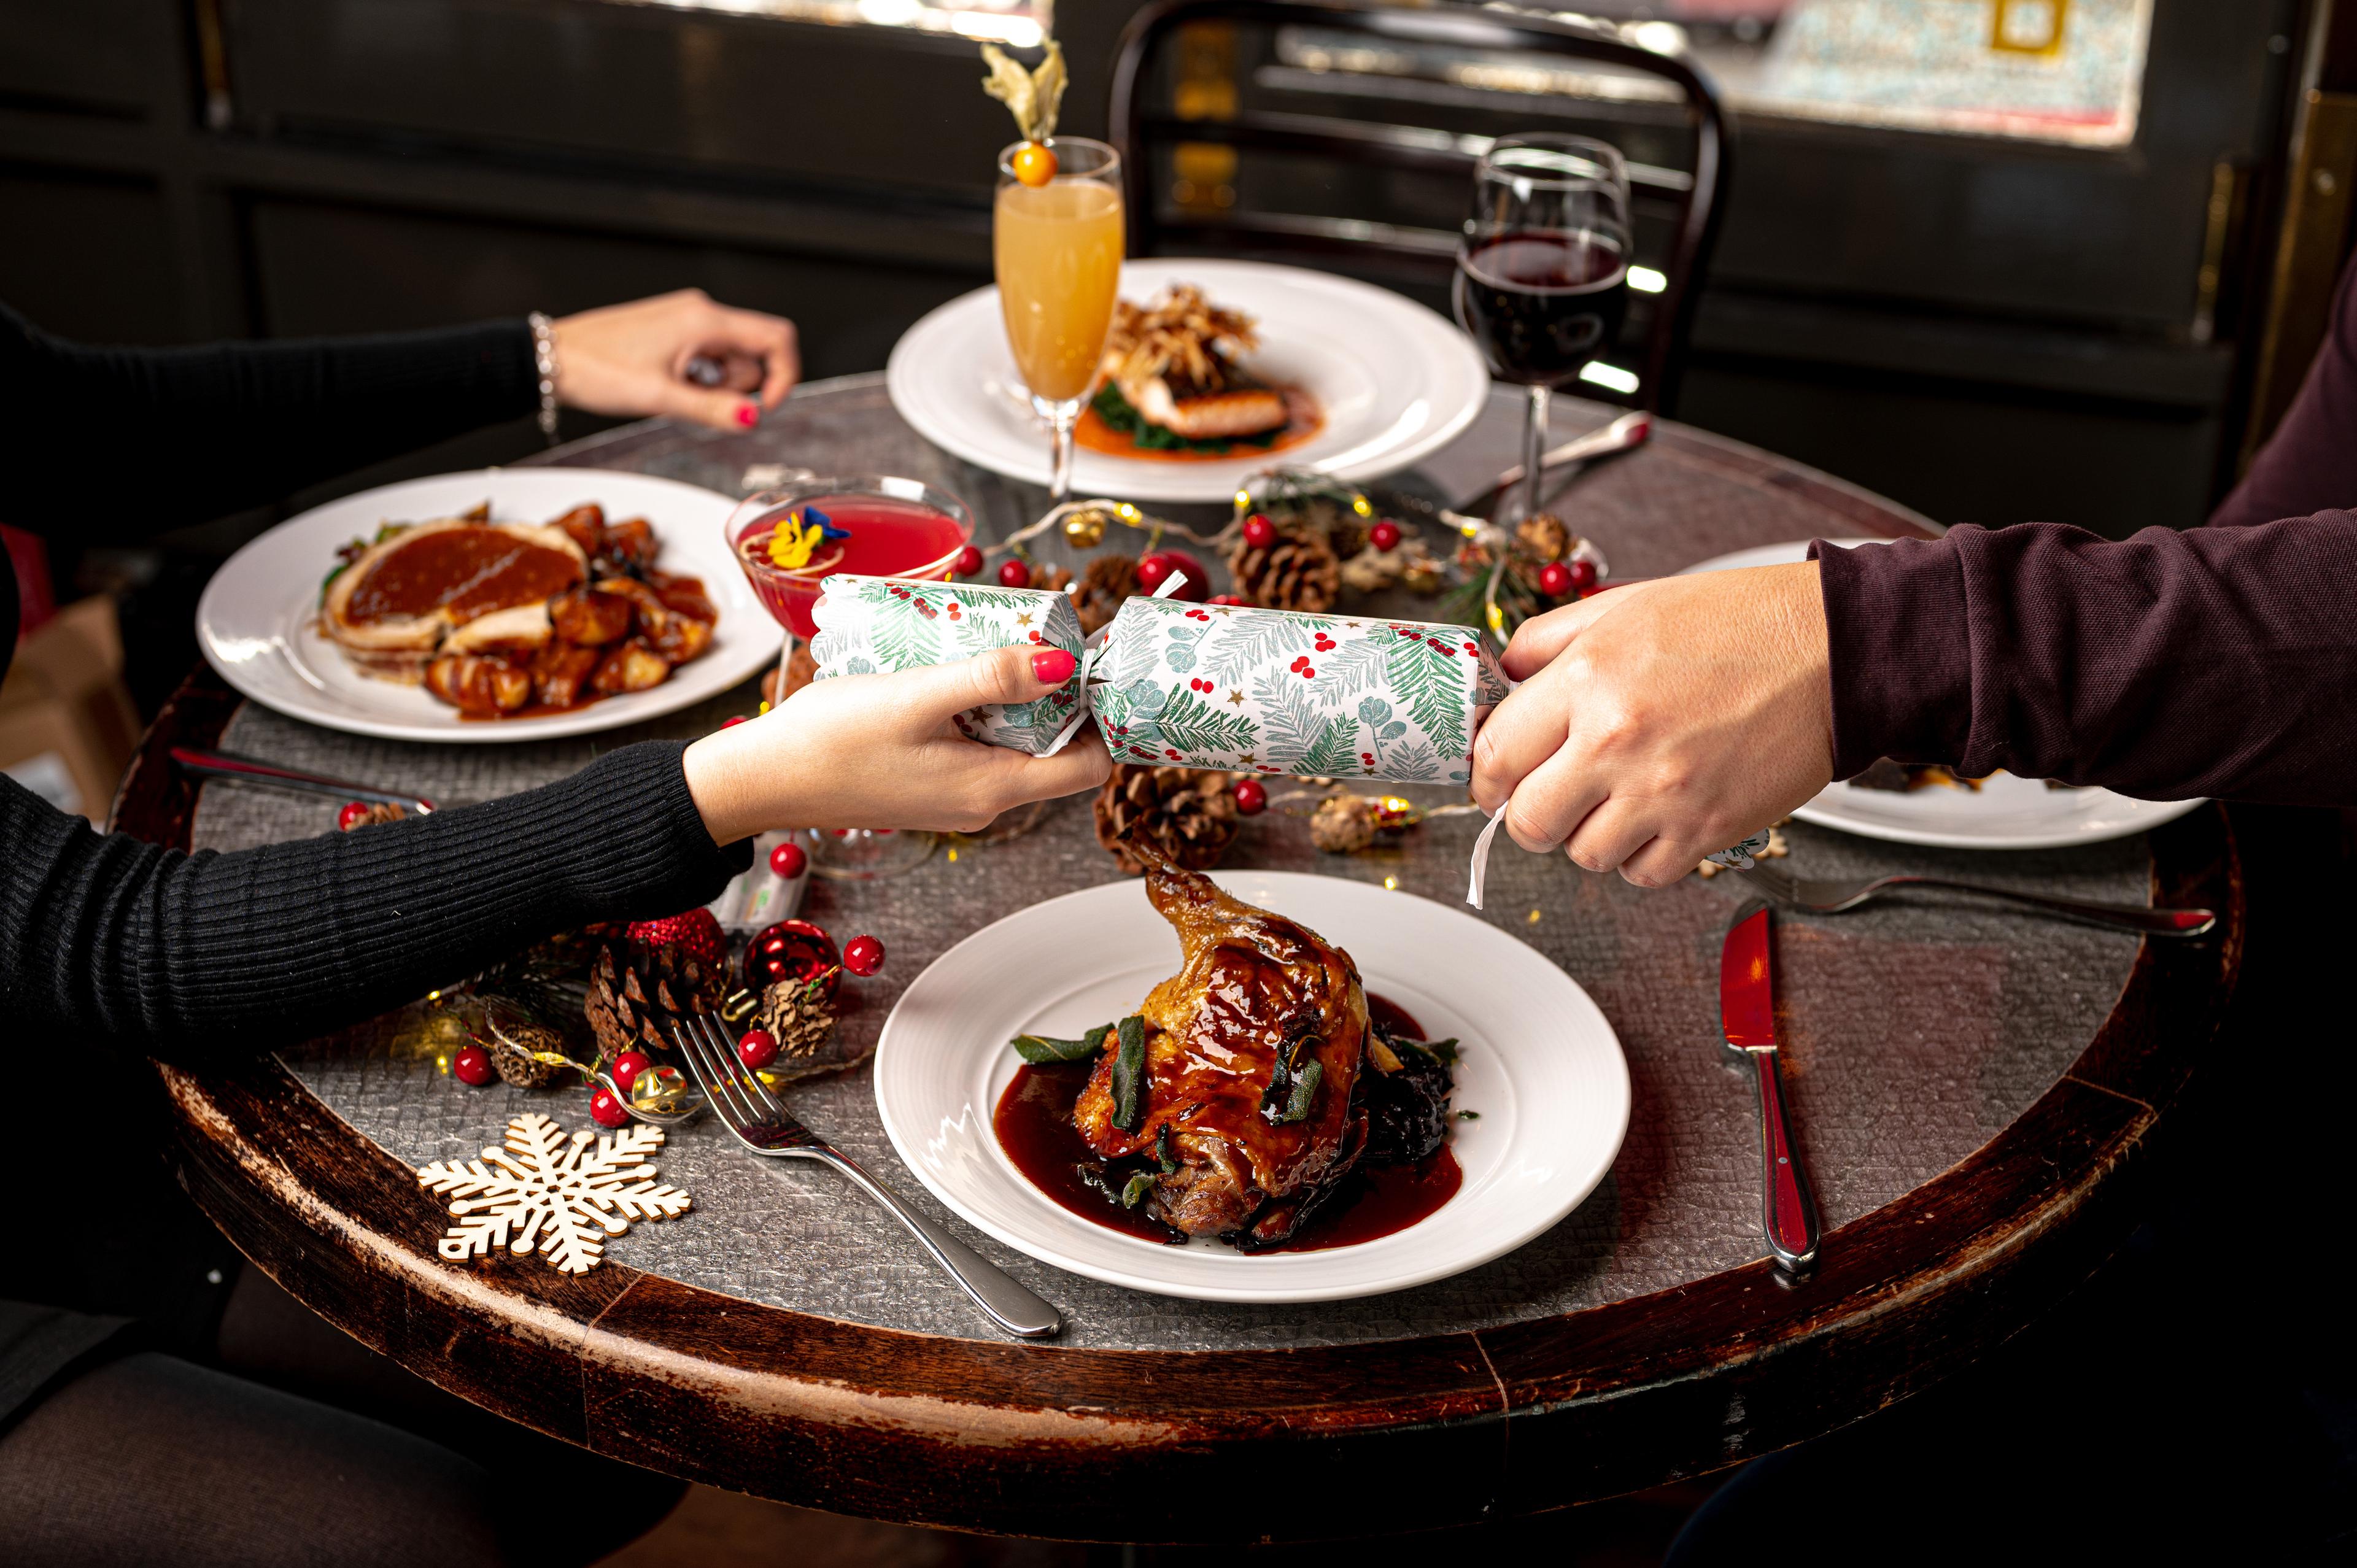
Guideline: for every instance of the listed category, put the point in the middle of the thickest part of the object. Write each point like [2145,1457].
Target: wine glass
[877,527]
[1542,269]
[1058,247]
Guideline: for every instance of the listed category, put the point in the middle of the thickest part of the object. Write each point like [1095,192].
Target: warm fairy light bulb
[1496,620]
[434,997]
[1363,506]
[441,1064]
[1244,498]
[1126,513]
[1392,883]
[1469,526]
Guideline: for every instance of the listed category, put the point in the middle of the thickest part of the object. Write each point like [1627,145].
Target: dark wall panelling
[324,267]
[857,107]
[86,57]
[88,255]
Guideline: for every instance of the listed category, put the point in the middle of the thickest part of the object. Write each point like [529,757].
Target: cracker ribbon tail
[1480,867]
[1088,652]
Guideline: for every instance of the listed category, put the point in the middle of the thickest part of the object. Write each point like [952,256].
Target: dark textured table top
[1917,1030]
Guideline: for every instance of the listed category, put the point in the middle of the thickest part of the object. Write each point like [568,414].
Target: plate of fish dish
[1211,370]
[1256,1086]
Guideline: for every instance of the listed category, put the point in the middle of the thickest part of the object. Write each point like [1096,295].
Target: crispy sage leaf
[1305,1092]
[1129,1075]
[1165,1152]
[1441,1051]
[1041,1049]
[1134,1190]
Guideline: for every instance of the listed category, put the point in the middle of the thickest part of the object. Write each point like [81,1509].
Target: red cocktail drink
[887,528]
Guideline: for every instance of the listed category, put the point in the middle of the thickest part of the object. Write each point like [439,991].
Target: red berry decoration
[1252,797]
[1385,535]
[605,1111]
[1554,579]
[1259,533]
[1014,573]
[629,1065]
[788,860]
[472,1065]
[1582,574]
[757,1048]
[863,955]
[1154,570]
[351,816]
[1237,600]
[696,933]
[792,950]
[969,562]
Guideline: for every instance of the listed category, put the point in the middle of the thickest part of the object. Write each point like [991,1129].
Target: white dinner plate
[2005,812]
[1540,1066]
[254,621]
[1396,382]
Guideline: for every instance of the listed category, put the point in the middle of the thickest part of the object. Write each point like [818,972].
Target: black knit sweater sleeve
[118,443]
[246,951]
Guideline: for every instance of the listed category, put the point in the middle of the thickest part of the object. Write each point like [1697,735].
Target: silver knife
[1746,1012]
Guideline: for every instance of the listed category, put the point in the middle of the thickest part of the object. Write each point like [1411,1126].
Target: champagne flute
[1542,269]
[1058,247]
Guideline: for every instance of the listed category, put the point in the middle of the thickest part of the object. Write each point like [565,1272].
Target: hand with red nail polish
[632,361]
[881,751]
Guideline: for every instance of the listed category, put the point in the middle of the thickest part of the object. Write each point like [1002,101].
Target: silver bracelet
[544,359]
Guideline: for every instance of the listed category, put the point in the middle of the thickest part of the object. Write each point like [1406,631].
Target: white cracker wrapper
[1189,685]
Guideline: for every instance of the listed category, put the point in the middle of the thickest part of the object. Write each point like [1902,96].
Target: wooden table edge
[992,1435]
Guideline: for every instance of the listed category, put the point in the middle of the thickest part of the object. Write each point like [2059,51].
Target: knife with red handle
[1747,1010]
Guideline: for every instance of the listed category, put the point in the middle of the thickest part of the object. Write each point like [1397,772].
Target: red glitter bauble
[1554,579]
[472,1065]
[1252,797]
[1014,574]
[696,933]
[792,950]
[788,860]
[1385,535]
[863,955]
[605,1111]
[629,1065]
[969,562]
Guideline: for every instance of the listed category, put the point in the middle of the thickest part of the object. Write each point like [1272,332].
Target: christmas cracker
[1188,685]
[1173,683]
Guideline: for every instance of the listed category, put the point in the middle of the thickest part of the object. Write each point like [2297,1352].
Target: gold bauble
[1085,528]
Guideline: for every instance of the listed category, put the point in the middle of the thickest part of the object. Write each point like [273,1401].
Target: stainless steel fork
[1833,897]
[763,1124]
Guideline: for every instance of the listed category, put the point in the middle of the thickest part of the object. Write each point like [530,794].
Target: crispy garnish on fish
[1175,361]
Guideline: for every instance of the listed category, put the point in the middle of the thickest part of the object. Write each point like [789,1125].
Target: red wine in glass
[1542,302]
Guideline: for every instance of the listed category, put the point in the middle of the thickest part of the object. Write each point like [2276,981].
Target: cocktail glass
[887,528]
[1059,248]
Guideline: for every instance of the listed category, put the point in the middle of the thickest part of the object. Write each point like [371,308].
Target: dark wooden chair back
[1689,201]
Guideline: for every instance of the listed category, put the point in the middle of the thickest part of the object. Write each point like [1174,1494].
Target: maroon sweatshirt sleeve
[2217,662]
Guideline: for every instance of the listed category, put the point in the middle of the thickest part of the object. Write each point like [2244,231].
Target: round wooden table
[1972,1091]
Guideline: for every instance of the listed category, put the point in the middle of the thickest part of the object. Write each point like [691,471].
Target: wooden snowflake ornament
[559,1195]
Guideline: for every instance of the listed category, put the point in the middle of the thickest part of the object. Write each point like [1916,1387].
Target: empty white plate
[1540,1066]
[1397,382]
[2005,812]
[254,621]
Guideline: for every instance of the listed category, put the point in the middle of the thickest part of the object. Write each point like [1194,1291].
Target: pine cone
[1298,572]
[1344,822]
[1105,582]
[800,1015]
[1545,536]
[513,1044]
[1188,814]
[634,996]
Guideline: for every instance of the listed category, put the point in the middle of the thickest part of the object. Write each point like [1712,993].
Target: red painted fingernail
[1053,666]
[748,415]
